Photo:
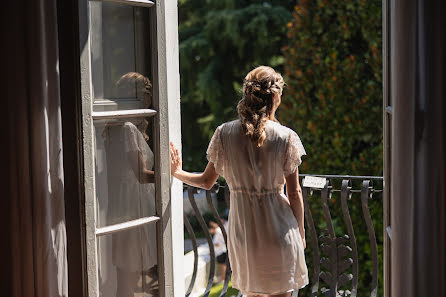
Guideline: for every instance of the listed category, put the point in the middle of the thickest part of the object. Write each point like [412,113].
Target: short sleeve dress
[264,244]
[134,249]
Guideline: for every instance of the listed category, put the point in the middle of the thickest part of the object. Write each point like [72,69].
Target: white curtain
[36,199]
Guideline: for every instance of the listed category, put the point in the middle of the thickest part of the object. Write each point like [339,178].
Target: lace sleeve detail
[215,152]
[293,154]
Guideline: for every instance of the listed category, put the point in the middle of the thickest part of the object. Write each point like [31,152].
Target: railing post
[223,230]
[314,243]
[191,191]
[346,195]
[366,193]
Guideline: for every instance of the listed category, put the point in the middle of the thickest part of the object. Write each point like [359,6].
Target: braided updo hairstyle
[256,105]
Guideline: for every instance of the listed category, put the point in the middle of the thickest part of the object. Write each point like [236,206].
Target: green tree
[220,42]
[334,101]
[334,97]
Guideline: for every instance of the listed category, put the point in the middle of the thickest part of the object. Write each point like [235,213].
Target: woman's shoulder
[231,123]
[129,126]
[280,129]
[229,126]
[133,134]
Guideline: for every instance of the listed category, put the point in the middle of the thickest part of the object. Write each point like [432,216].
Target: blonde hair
[256,104]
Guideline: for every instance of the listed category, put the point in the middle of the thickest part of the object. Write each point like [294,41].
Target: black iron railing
[332,245]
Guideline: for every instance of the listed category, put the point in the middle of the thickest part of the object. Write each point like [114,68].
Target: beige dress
[135,249]
[264,245]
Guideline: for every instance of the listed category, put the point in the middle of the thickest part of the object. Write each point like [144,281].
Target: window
[120,44]
[125,125]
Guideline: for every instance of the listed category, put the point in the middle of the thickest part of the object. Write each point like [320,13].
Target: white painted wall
[173,95]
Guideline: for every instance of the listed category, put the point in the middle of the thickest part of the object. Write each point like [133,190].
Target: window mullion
[116,114]
[89,206]
[140,3]
[126,225]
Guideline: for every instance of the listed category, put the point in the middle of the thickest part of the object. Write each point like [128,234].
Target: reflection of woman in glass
[131,195]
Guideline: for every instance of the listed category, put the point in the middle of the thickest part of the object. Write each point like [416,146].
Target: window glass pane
[120,44]
[125,188]
[127,263]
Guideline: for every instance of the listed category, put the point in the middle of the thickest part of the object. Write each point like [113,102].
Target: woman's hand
[203,180]
[175,160]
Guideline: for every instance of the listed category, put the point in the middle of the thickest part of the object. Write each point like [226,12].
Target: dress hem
[245,293]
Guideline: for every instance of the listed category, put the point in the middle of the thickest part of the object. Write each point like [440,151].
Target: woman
[256,155]
[130,196]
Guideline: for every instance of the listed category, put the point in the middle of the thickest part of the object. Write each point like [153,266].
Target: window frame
[387,137]
[161,146]
[103,103]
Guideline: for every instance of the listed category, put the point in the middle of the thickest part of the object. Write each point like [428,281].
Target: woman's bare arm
[294,193]
[139,168]
[204,180]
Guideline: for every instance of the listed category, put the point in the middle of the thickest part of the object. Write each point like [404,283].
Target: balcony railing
[336,215]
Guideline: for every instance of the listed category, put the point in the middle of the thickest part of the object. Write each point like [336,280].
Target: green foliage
[334,96]
[216,290]
[334,102]
[220,42]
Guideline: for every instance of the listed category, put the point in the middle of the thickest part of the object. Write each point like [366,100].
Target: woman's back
[247,167]
[264,245]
